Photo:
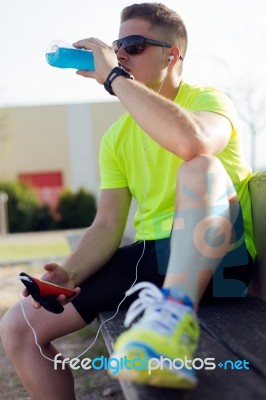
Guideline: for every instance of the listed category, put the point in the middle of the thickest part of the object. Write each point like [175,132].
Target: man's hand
[104,58]
[59,276]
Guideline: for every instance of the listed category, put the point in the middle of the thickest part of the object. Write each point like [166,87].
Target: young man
[177,152]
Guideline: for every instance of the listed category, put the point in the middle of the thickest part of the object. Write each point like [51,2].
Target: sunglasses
[136,44]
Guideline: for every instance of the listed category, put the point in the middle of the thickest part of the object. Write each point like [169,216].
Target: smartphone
[45,292]
[44,288]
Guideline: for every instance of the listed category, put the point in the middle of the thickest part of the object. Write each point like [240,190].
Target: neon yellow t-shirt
[122,161]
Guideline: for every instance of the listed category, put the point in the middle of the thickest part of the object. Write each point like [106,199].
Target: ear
[174,55]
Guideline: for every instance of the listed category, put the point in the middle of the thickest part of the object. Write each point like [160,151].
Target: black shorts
[106,288]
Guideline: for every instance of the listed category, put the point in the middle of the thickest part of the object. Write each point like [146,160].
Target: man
[177,152]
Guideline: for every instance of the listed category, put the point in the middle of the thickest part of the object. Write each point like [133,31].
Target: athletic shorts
[106,288]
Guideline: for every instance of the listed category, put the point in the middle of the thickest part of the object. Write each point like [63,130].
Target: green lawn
[26,250]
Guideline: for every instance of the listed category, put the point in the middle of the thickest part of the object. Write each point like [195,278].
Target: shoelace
[152,300]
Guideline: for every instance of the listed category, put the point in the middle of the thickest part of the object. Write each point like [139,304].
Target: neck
[169,87]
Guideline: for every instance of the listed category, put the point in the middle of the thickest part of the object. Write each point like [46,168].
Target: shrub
[44,219]
[76,209]
[22,204]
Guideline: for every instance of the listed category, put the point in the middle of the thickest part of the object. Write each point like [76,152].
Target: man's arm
[102,239]
[99,242]
[184,133]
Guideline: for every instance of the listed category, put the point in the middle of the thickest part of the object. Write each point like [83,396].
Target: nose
[121,55]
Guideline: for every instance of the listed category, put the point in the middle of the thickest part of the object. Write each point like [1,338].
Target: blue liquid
[71,58]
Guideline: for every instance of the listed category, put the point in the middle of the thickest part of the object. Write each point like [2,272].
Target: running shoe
[158,349]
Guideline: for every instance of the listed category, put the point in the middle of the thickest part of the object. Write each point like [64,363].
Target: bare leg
[37,374]
[205,197]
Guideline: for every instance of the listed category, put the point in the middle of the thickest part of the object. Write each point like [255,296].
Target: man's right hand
[104,58]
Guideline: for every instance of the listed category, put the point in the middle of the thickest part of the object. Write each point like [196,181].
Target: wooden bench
[233,333]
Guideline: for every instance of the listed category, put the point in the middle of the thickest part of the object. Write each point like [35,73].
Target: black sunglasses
[136,44]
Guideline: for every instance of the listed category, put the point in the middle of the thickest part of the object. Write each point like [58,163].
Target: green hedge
[44,219]
[75,209]
[22,204]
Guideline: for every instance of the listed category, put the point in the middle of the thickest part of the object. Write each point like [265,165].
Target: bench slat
[232,331]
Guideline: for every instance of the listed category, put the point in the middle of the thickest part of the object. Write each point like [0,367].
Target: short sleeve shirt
[130,158]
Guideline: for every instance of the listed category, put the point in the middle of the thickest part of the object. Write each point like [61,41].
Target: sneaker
[155,350]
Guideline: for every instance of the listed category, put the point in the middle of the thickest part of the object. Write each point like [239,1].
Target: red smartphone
[44,288]
[45,292]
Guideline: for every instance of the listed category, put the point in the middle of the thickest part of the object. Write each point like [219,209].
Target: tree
[241,75]
[246,87]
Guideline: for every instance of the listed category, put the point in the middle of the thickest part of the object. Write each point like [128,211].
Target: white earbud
[171,58]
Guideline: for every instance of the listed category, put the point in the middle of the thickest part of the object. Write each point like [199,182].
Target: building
[53,147]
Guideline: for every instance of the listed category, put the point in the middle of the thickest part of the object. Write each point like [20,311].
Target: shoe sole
[160,377]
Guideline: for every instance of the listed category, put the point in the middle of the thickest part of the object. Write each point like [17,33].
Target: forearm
[168,124]
[186,134]
[95,248]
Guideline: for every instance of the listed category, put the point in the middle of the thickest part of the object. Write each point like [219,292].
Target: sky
[227,49]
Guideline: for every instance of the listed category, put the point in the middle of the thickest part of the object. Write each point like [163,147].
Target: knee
[200,165]
[203,174]
[200,170]
[12,331]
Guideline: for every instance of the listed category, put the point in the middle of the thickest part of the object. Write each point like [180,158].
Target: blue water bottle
[63,55]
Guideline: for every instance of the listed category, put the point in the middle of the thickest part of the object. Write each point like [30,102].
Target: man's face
[147,67]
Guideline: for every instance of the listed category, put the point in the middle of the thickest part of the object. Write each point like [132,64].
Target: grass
[31,249]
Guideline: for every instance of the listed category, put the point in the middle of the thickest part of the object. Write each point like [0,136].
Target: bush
[22,204]
[44,219]
[76,209]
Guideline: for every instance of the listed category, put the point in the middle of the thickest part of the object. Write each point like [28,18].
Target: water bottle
[63,55]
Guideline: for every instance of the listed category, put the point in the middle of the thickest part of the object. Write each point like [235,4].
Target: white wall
[81,147]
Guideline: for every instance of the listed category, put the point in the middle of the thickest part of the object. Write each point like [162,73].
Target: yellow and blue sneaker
[157,349]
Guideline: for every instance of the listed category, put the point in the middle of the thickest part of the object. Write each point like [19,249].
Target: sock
[178,297]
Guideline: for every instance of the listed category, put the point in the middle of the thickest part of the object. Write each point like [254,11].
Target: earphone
[171,58]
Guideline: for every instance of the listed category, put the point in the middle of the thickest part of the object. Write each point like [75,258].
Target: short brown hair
[166,21]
